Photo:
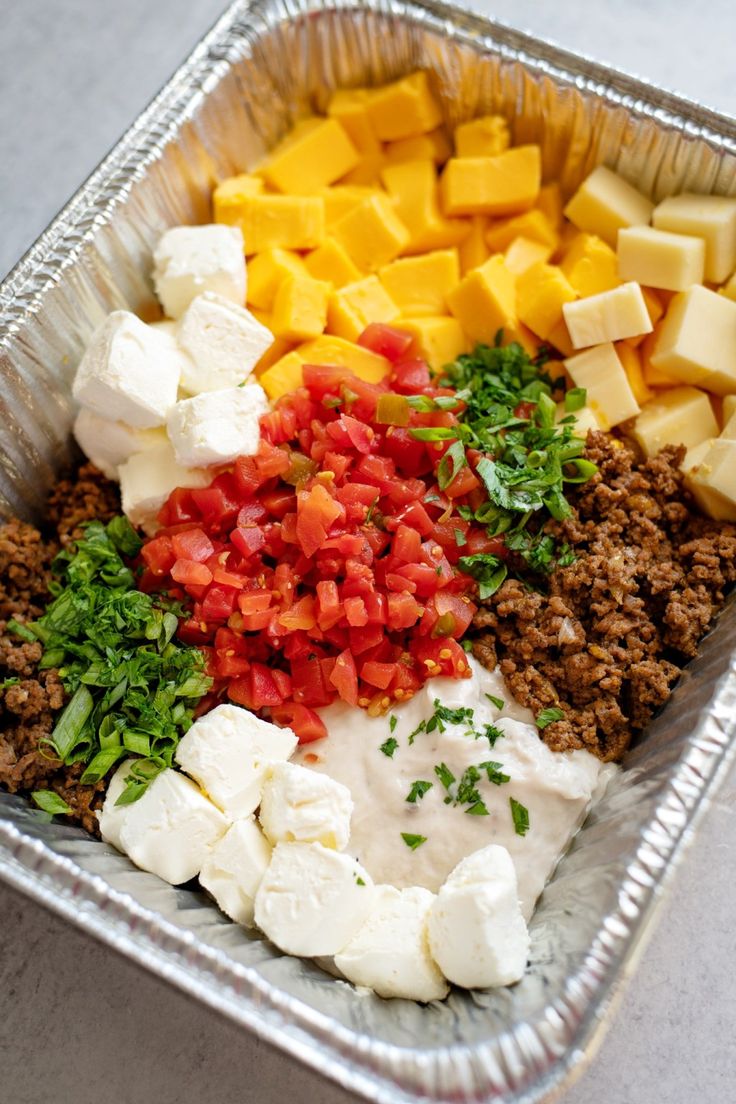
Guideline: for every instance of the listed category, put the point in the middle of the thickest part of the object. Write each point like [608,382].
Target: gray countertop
[81,1024]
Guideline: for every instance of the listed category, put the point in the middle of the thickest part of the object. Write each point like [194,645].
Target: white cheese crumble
[190,260]
[224,342]
[217,426]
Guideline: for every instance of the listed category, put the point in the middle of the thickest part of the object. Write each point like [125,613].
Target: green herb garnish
[494,773]
[548,717]
[412,842]
[520,816]
[50,802]
[388,747]
[498,702]
[418,790]
[392,722]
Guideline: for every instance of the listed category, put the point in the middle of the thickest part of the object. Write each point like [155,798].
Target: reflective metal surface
[261,67]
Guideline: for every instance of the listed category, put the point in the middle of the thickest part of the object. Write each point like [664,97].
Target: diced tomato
[190,573]
[378,674]
[344,677]
[178,508]
[248,540]
[478,541]
[403,611]
[264,687]
[192,544]
[303,721]
[385,340]
[218,603]
[316,511]
[406,545]
[463,483]
[408,454]
[410,377]
[158,554]
[440,657]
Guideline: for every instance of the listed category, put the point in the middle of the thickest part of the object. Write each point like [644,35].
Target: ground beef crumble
[606,641]
[29,707]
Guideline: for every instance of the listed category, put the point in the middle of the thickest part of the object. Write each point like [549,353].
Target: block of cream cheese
[600,371]
[112,816]
[170,830]
[390,952]
[148,478]
[228,751]
[109,444]
[312,900]
[477,934]
[130,372]
[605,202]
[697,341]
[224,342]
[234,869]
[608,316]
[660,259]
[676,416]
[217,426]
[712,218]
[299,805]
[189,260]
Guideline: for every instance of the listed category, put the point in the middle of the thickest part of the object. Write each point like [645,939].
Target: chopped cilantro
[8,682]
[418,790]
[494,773]
[520,816]
[445,775]
[388,747]
[498,702]
[460,539]
[491,733]
[392,722]
[487,568]
[451,464]
[421,727]
[412,842]
[548,717]
[359,881]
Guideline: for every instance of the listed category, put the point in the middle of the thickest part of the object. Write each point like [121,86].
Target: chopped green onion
[50,802]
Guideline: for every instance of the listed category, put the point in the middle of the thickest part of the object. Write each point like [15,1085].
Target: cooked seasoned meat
[606,641]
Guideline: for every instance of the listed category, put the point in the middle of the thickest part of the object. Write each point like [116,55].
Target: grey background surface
[77,1022]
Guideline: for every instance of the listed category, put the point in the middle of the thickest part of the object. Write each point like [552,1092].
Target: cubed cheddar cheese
[712,218]
[356,305]
[503,185]
[342,198]
[608,316]
[284,376]
[659,258]
[678,416]
[372,234]
[697,341]
[542,291]
[404,109]
[605,202]
[434,146]
[437,340]
[559,337]
[710,476]
[367,172]
[266,271]
[629,357]
[300,308]
[484,301]
[590,265]
[350,107]
[231,193]
[275,352]
[412,186]
[315,153]
[486,136]
[420,285]
[278,221]
[601,373]
[523,252]
[549,202]
[532,224]
[330,262]
[473,250]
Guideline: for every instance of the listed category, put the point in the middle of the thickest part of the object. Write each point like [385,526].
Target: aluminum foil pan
[260,67]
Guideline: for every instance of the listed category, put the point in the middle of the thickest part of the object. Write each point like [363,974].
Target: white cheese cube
[605,202]
[170,830]
[660,259]
[148,478]
[390,952]
[312,900]
[190,260]
[712,218]
[234,869]
[677,416]
[130,372]
[697,340]
[477,934]
[711,478]
[217,426]
[228,752]
[585,419]
[602,374]
[112,816]
[729,417]
[300,806]
[224,342]
[609,316]
[109,444]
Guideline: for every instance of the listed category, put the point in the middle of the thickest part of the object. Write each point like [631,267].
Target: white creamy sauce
[556,788]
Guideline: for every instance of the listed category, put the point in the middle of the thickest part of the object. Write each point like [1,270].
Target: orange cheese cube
[503,185]
[404,109]
[541,293]
[473,250]
[231,192]
[284,376]
[315,153]
[486,136]
[372,234]
[420,285]
[729,289]
[434,146]
[300,308]
[439,341]
[412,186]
[278,221]
[329,349]
[631,361]
[343,198]
[350,107]
[266,271]
[655,310]
[484,301]
[549,202]
[590,265]
[522,253]
[532,224]
[559,336]
[330,262]
[356,305]
[274,353]
[367,172]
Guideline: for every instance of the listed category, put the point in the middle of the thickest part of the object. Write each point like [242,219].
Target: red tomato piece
[304,722]
[190,573]
[411,376]
[378,674]
[316,511]
[386,341]
[192,544]
[248,541]
[158,555]
[344,677]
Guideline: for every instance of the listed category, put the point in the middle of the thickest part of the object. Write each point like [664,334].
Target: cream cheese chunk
[217,426]
[660,259]
[312,899]
[605,202]
[109,444]
[148,478]
[697,340]
[224,342]
[190,260]
[299,805]
[608,316]
[169,831]
[228,752]
[390,952]
[477,934]
[600,371]
[556,787]
[234,869]
[676,416]
[712,218]
[130,371]
[112,816]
